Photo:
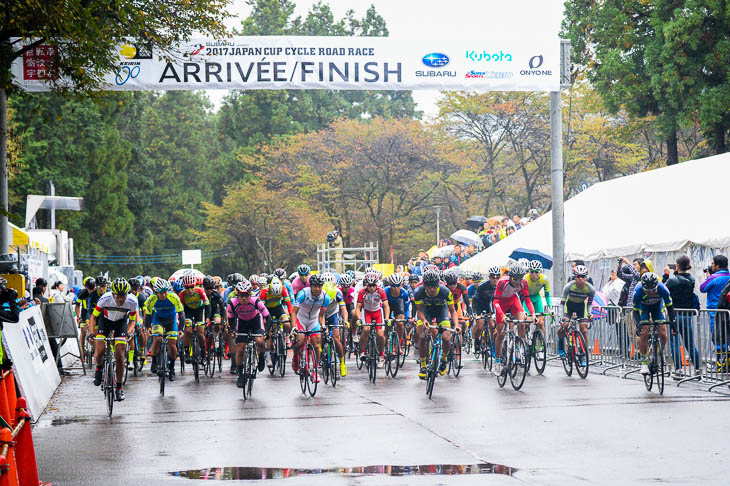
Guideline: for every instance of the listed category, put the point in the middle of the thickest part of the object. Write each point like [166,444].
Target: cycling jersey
[271,301]
[483,297]
[196,300]
[348,294]
[163,309]
[298,284]
[646,306]
[114,312]
[91,301]
[336,299]
[371,301]
[83,300]
[309,307]
[577,300]
[436,306]
[217,305]
[400,303]
[534,287]
[287,285]
[507,298]
[246,311]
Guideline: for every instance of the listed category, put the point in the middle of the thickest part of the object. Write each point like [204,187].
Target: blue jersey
[646,306]
[400,304]
[309,306]
[471,291]
[287,285]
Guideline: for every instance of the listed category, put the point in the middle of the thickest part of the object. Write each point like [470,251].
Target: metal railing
[342,259]
[696,352]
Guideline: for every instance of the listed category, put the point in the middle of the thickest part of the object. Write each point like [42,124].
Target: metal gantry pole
[438,224]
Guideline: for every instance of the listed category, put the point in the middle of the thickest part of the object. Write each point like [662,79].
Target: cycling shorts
[254,325]
[510,305]
[439,314]
[105,326]
[397,306]
[312,325]
[333,320]
[168,326]
[195,315]
[536,302]
[480,308]
[374,316]
[350,308]
[654,311]
[579,308]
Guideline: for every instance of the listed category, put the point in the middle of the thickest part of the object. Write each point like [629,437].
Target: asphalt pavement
[556,430]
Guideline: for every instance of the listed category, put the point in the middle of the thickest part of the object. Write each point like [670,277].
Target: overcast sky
[409,19]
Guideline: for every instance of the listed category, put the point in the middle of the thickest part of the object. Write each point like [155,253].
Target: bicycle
[536,350]
[371,351]
[136,353]
[432,367]
[328,358]
[577,350]
[468,339]
[109,378]
[656,357]
[392,348]
[89,352]
[162,364]
[250,363]
[484,350]
[278,353]
[181,350]
[513,356]
[454,356]
[356,346]
[214,340]
[307,364]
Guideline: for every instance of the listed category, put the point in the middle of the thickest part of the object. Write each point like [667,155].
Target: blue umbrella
[546,260]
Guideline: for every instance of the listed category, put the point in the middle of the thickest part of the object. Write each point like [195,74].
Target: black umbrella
[476,221]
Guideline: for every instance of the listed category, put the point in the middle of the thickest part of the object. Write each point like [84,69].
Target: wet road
[556,430]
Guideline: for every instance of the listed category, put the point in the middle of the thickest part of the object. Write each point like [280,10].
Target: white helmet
[275,287]
[329,277]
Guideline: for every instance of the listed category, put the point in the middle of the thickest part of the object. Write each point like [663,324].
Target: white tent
[662,210]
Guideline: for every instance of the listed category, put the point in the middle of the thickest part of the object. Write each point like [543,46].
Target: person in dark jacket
[630,273]
[681,287]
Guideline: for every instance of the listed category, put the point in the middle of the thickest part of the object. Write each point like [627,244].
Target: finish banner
[521,62]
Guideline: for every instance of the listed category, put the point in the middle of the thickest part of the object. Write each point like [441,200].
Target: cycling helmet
[524,261]
[293,276]
[217,281]
[430,268]
[517,270]
[244,286]
[379,274]
[580,271]
[451,278]
[188,280]
[101,281]
[431,278]
[414,278]
[207,283]
[649,281]
[161,285]
[89,283]
[120,286]
[254,279]
[262,281]
[495,270]
[535,266]
[229,279]
[178,286]
[316,280]
[370,278]
[345,280]
[265,275]
[133,283]
[275,287]
[467,275]
[478,277]
[329,277]
[280,273]
[303,270]
[396,280]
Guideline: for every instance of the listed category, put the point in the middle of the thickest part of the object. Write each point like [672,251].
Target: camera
[708,269]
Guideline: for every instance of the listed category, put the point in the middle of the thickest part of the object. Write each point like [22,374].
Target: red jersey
[372,301]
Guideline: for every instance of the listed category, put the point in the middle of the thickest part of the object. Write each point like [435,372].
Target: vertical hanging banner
[488,62]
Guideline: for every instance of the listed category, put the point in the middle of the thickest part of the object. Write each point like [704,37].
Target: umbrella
[495,220]
[546,260]
[445,251]
[476,221]
[599,300]
[184,271]
[468,237]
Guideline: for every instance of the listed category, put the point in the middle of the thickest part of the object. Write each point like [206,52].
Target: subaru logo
[435,60]
[535,62]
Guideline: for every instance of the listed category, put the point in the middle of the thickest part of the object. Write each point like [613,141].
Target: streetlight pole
[438,224]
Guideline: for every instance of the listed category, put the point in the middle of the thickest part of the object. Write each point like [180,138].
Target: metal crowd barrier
[697,352]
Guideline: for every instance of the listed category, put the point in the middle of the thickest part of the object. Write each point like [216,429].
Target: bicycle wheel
[209,355]
[432,371]
[252,371]
[519,364]
[372,358]
[196,358]
[568,358]
[505,357]
[334,366]
[181,354]
[581,353]
[281,356]
[324,362]
[312,367]
[660,372]
[455,362]
[89,354]
[162,367]
[467,341]
[402,351]
[246,376]
[389,354]
[486,351]
[303,371]
[396,351]
[539,351]
[358,361]
[109,385]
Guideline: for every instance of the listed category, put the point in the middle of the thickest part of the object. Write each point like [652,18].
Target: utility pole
[438,224]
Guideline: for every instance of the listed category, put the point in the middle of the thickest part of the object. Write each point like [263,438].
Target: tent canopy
[22,238]
[660,210]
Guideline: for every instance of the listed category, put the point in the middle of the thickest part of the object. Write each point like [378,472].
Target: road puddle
[255,473]
[68,420]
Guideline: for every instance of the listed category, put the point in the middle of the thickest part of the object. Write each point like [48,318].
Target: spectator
[681,287]
[457,258]
[437,261]
[58,293]
[717,278]
[9,312]
[510,230]
[39,291]
[612,290]
[629,273]
[516,221]
[470,251]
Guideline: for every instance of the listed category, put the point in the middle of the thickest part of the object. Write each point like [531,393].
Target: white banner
[491,61]
[26,343]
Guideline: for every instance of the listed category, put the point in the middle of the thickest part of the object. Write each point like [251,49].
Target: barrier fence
[698,351]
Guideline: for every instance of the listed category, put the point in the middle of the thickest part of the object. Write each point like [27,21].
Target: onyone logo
[535,62]
[435,60]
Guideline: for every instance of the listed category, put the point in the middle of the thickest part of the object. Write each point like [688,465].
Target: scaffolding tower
[338,259]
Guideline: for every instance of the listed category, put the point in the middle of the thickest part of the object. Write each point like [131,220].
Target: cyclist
[348,295]
[649,298]
[578,297]
[457,291]
[399,303]
[119,309]
[197,307]
[483,304]
[510,289]
[373,300]
[246,312]
[536,281]
[335,309]
[217,305]
[275,297]
[308,313]
[81,305]
[280,273]
[164,313]
[232,280]
[302,278]
[136,290]
[434,301]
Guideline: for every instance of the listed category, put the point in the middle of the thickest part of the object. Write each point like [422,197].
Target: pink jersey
[247,311]
[372,301]
[348,295]
[298,284]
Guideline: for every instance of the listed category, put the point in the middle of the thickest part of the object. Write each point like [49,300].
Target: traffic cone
[6,437]
[4,410]
[4,471]
[9,382]
[24,450]
[596,348]
[684,360]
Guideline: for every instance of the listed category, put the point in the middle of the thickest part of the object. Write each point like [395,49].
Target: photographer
[681,286]
[717,277]
[334,240]
[9,312]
